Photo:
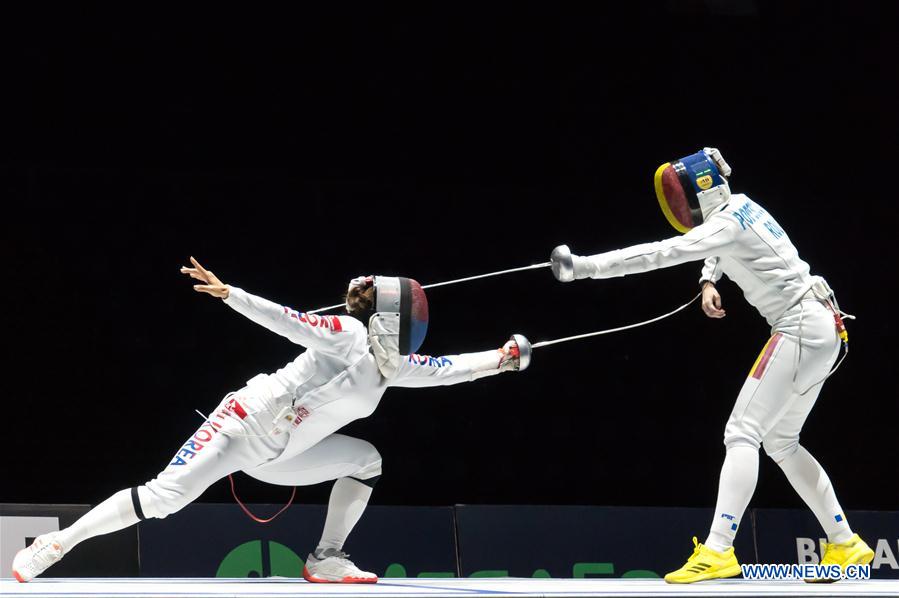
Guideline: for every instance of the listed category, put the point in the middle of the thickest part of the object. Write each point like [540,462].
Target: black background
[290,150]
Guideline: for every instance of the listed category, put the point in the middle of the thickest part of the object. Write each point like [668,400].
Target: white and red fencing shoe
[34,560]
[333,566]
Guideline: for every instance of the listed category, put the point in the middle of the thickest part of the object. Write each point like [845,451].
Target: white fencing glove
[567,267]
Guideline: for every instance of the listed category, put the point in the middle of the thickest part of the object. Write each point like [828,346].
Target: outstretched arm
[309,330]
[712,238]
[417,371]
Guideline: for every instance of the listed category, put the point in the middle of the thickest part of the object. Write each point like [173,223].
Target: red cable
[247,511]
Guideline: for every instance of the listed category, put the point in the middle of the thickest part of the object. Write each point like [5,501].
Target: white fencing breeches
[772,407]
[336,456]
[237,439]
[784,382]
[354,463]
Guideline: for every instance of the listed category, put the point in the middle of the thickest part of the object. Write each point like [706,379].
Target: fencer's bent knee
[367,458]
[371,467]
[780,449]
[739,439]
[742,432]
[730,443]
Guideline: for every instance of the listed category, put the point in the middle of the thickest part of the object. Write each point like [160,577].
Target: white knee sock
[349,498]
[735,487]
[113,514]
[810,481]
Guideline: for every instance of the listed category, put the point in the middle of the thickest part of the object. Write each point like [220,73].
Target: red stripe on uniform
[335,324]
[237,409]
[766,356]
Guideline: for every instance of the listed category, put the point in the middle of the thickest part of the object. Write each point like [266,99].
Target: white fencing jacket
[739,239]
[336,380]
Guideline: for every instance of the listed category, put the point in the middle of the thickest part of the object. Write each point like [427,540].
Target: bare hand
[212,286]
[711,301]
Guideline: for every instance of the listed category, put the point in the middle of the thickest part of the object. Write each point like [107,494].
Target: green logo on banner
[261,559]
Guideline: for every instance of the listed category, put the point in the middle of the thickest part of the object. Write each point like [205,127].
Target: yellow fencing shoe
[706,563]
[853,552]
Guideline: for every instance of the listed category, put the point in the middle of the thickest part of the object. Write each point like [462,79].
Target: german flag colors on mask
[679,185]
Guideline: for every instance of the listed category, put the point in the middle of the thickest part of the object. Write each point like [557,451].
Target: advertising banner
[571,541]
[209,540]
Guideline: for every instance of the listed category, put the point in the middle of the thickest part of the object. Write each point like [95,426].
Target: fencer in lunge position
[737,237]
[280,428]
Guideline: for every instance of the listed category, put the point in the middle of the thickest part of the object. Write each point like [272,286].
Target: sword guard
[562,264]
[524,351]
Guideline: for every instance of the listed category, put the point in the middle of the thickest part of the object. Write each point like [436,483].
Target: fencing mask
[400,320]
[692,187]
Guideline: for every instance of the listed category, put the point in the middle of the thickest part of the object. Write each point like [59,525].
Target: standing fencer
[280,428]
[737,237]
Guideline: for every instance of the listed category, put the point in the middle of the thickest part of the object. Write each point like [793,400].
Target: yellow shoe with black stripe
[706,563]
[853,552]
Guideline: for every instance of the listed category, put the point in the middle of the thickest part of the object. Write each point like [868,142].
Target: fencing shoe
[34,560]
[330,565]
[853,552]
[706,563]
